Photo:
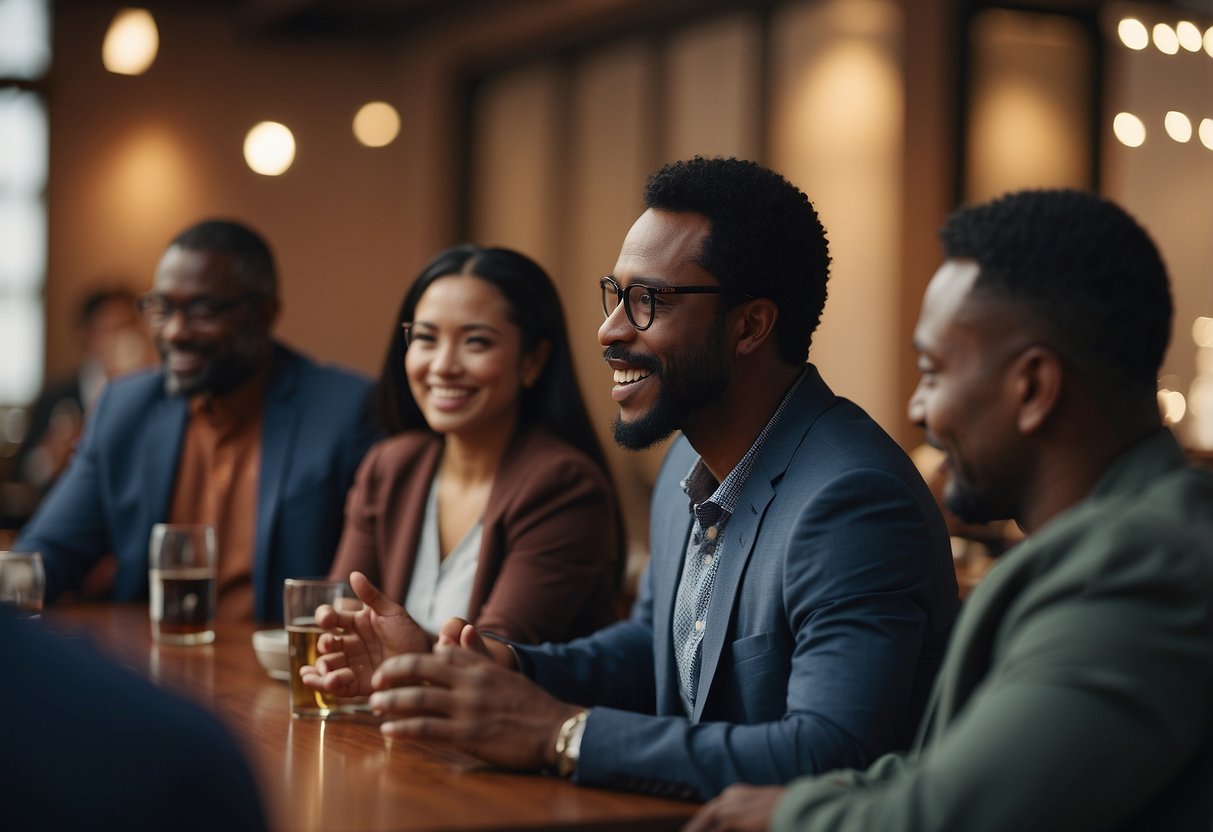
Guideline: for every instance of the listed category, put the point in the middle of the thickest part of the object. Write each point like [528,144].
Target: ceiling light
[131,42]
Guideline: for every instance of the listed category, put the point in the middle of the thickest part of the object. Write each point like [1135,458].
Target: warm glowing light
[1209,41]
[377,124]
[1202,331]
[1178,126]
[1165,39]
[1172,404]
[1206,132]
[1188,35]
[1133,33]
[131,42]
[269,148]
[1204,366]
[1129,130]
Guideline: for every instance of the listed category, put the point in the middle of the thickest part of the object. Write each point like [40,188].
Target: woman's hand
[355,643]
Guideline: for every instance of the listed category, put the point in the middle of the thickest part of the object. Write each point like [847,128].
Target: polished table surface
[339,774]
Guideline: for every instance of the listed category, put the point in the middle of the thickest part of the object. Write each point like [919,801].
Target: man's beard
[224,373]
[970,503]
[688,383]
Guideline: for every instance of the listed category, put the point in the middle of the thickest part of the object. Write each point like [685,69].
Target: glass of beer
[22,582]
[181,579]
[300,597]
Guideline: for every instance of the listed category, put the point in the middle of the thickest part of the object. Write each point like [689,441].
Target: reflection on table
[340,774]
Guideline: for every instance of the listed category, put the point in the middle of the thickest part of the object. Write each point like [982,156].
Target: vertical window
[24,61]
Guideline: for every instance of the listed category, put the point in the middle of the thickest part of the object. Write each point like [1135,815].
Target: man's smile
[631,375]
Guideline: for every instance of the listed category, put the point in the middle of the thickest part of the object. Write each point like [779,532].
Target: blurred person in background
[113,341]
[234,429]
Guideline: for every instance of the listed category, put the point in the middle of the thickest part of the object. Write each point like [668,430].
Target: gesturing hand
[355,643]
[462,697]
[737,809]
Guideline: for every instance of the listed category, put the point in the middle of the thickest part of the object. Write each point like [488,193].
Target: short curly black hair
[765,238]
[1085,267]
[254,268]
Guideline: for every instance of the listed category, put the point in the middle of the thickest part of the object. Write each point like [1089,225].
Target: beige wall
[133,160]
[1030,105]
[837,128]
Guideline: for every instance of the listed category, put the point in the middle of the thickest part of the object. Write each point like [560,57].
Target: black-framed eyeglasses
[202,311]
[638,300]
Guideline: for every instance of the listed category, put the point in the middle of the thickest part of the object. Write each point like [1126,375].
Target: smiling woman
[491,501]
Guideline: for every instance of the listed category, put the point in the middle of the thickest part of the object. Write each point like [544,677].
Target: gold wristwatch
[568,744]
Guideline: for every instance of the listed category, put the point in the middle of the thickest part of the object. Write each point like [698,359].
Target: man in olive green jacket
[1078,686]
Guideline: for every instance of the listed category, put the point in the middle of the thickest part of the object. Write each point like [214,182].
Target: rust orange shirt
[217,483]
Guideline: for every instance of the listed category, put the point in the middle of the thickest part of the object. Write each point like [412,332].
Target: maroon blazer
[549,548]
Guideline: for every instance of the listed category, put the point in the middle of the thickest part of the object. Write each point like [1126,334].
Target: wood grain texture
[339,773]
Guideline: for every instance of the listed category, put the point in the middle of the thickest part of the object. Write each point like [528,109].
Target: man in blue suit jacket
[801,587]
[235,430]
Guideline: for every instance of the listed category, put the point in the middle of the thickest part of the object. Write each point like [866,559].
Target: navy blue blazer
[315,429]
[831,610]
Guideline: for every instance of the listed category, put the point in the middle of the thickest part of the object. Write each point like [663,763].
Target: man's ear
[1039,379]
[754,324]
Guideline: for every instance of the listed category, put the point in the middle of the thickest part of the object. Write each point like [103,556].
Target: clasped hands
[457,688]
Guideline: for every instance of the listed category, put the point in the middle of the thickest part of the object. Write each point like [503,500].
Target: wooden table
[339,774]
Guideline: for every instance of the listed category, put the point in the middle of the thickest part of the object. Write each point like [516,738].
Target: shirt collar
[235,407]
[701,486]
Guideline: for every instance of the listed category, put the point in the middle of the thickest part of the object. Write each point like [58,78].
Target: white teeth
[449,392]
[628,376]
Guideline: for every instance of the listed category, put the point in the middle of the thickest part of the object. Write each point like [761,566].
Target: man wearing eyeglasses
[235,429]
[801,587]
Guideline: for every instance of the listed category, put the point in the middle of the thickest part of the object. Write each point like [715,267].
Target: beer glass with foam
[181,580]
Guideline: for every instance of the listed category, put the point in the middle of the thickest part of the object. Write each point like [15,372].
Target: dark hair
[254,269]
[554,400]
[764,238]
[97,299]
[1084,268]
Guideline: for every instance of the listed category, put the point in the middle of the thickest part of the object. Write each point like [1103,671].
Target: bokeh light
[377,124]
[1188,35]
[269,148]
[1129,130]
[131,42]
[1165,39]
[1178,126]
[1133,33]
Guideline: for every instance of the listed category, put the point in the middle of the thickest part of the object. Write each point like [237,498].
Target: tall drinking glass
[300,597]
[181,578]
[22,582]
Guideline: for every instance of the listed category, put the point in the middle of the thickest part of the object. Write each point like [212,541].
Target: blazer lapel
[162,454]
[161,457]
[670,528]
[665,577]
[740,533]
[809,401]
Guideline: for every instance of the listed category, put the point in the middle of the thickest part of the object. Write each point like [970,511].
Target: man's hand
[463,697]
[737,809]
[355,643]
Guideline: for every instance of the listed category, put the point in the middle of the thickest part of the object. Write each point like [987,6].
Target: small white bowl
[271,649]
